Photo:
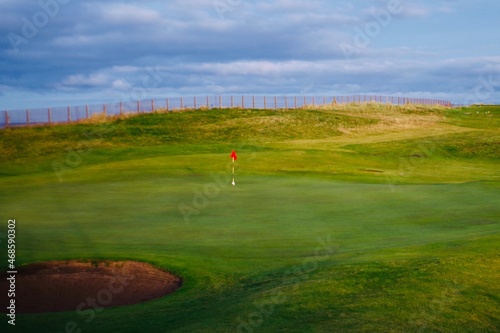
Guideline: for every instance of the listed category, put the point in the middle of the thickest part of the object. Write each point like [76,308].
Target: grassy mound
[358,218]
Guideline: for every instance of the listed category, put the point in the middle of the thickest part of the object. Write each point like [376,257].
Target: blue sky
[71,52]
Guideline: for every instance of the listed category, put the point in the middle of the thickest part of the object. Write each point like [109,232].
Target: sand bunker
[77,286]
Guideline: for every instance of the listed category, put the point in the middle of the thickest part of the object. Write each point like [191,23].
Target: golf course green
[346,218]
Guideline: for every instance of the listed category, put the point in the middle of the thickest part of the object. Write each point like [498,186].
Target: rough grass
[215,126]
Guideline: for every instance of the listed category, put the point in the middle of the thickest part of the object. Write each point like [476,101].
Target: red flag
[233,156]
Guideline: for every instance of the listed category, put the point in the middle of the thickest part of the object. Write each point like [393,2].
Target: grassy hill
[348,218]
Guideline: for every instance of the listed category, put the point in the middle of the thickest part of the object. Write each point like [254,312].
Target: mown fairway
[349,219]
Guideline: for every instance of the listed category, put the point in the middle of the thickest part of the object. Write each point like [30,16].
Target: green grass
[344,219]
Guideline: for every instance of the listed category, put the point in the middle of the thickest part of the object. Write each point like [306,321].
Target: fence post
[152,105]
[275,103]
[242,101]
[138,107]
[69,115]
[7,120]
[182,103]
[28,117]
[167,104]
[220,102]
[232,101]
[208,102]
[121,108]
[253,102]
[286,102]
[104,109]
[49,116]
[194,100]
[265,103]
[86,111]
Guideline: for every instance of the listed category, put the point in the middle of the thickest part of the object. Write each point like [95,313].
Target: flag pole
[234,157]
[233,173]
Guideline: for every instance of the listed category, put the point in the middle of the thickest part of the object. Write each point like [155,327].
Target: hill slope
[349,219]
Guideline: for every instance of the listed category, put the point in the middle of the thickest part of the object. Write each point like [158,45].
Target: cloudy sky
[60,52]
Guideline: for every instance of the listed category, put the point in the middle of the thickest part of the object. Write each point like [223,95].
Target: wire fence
[70,114]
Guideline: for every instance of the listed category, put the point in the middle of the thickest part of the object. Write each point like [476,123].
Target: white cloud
[411,10]
[121,84]
[97,79]
[81,41]
[121,13]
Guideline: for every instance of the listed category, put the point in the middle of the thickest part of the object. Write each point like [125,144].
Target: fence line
[58,115]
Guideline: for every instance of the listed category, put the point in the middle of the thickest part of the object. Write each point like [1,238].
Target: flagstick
[233,173]
[234,157]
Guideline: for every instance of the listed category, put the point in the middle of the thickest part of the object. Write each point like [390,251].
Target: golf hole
[86,286]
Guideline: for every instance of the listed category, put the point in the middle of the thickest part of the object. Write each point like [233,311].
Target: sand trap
[77,286]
